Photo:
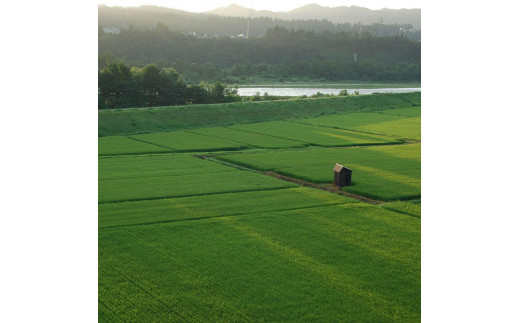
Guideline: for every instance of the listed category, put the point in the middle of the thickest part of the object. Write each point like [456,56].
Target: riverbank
[332,85]
[147,120]
[309,91]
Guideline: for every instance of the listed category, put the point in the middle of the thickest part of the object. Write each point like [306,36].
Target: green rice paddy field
[191,229]
[381,172]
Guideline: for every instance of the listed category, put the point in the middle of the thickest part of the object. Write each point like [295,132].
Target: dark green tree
[173,90]
[217,92]
[152,81]
[198,93]
[117,88]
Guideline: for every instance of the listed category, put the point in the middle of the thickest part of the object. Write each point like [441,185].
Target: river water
[297,91]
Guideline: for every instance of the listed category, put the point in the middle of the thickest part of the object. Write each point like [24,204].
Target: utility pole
[355,57]
[380,26]
[247,33]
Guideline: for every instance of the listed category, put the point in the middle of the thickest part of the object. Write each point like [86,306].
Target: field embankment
[149,120]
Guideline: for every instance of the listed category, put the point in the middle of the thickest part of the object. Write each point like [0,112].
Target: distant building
[111,30]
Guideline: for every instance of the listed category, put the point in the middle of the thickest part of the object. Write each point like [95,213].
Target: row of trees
[310,70]
[120,86]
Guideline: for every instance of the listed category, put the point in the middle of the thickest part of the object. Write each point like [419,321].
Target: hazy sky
[279,5]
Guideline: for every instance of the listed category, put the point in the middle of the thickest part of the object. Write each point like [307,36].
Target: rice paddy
[191,229]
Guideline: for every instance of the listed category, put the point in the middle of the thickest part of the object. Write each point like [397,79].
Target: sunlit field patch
[381,172]
[319,136]
[384,123]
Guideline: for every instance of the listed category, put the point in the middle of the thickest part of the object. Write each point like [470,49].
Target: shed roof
[339,167]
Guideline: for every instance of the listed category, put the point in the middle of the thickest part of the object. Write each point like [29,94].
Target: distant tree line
[120,86]
[281,53]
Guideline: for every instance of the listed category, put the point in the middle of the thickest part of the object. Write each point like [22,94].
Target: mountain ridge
[341,14]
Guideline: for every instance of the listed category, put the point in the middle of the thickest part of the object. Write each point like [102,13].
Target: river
[296,91]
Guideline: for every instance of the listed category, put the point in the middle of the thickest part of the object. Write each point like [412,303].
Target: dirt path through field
[324,187]
[328,188]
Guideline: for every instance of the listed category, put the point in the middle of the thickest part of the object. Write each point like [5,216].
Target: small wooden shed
[342,176]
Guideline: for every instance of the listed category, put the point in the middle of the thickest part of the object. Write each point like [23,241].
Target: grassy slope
[149,120]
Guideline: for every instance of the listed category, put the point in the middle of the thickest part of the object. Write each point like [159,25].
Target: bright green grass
[248,138]
[184,141]
[343,263]
[196,207]
[381,172]
[320,136]
[117,145]
[132,167]
[372,122]
[406,112]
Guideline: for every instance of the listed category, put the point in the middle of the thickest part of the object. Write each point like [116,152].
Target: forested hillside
[147,17]
[280,53]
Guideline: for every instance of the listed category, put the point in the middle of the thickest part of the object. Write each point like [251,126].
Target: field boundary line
[150,143]
[265,134]
[226,215]
[400,211]
[157,176]
[225,163]
[137,154]
[310,147]
[190,195]
[248,145]
[174,150]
